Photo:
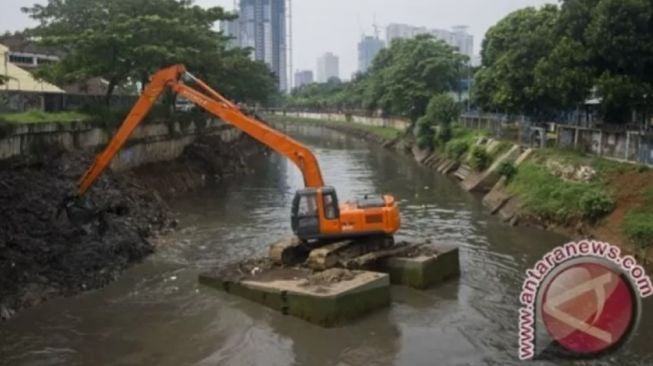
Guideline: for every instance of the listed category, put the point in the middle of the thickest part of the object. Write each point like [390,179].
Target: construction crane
[316,214]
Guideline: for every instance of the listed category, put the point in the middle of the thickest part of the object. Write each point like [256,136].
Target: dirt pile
[209,159]
[45,255]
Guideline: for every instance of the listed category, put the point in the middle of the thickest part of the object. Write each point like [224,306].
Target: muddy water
[156,314]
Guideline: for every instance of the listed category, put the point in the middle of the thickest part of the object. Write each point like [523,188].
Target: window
[330,206]
[308,206]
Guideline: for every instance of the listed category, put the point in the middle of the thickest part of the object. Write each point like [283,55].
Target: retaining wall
[149,143]
[396,123]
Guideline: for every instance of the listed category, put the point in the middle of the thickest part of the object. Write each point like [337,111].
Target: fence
[632,146]
[618,142]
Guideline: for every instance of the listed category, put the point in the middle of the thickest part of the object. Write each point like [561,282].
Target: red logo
[588,308]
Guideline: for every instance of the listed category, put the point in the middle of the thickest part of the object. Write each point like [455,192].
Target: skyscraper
[368,48]
[457,37]
[303,78]
[328,66]
[262,26]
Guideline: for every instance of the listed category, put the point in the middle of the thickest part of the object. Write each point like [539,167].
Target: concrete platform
[424,271]
[329,299]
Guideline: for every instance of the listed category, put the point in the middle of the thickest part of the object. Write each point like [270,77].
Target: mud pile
[45,255]
[207,160]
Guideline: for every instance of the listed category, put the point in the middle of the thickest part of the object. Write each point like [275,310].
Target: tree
[122,40]
[406,75]
[540,62]
[434,128]
[401,80]
[511,51]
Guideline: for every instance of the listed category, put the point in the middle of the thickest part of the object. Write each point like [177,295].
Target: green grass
[638,223]
[554,199]
[384,132]
[43,117]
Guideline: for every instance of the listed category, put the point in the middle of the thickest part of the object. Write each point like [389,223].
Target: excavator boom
[214,103]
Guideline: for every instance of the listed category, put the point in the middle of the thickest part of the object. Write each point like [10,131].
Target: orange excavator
[316,214]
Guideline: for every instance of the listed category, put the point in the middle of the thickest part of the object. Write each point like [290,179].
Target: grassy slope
[42,117]
[628,219]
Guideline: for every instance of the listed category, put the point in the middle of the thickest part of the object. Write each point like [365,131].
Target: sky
[336,26]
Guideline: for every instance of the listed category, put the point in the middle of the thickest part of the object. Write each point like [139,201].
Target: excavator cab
[310,208]
[317,215]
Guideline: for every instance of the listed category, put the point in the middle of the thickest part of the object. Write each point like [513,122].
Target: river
[157,314]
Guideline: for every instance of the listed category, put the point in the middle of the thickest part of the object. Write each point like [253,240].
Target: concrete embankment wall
[396,123]
[150,143]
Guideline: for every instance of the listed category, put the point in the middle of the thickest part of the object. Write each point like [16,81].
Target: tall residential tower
[368,48]
[328,66]
[262,25]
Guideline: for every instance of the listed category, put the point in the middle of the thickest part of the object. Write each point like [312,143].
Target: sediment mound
[45,255]
[208,159]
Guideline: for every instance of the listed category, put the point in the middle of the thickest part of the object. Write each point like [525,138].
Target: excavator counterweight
[316,213]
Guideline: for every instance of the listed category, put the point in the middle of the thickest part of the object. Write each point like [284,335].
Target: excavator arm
[214,103]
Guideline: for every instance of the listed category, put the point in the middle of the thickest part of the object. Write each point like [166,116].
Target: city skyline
[338,25]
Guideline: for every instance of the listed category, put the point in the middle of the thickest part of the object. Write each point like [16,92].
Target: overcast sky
[336,25]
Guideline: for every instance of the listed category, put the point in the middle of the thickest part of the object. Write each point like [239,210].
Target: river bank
[566,192]
[46,253]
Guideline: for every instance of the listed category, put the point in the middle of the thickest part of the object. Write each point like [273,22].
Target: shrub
[595,204]
[507,169]
[455,149]
[638,226]
[480,159]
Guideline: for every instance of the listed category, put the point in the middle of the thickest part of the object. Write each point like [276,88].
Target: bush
[595,204]
[507,170]
[638,226]
[480,159]
[456,149]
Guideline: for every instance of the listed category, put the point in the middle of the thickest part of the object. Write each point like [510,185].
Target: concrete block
[296,292]
[424,271]
[497,196]
[525,155]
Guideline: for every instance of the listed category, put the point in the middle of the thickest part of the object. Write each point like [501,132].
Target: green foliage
[401,81]
[434,128]
[511,50]
[638,226]
[507,169]
[124,41]
[456,149]
[554,199]
[43,117]
[542,61]
[596,204]
[480,159]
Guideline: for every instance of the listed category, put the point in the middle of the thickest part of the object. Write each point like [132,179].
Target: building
[458,37]
[328,66]
[368,48]
[302,78]
[262,27]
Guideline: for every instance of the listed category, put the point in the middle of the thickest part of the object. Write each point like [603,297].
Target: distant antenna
[376,28]
[360,25]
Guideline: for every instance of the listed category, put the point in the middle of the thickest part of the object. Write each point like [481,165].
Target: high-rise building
[261,25]
[368,48]
[458,37]
[328,66]
[303,78]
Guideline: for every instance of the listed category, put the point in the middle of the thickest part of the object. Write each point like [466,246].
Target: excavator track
[350,253]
